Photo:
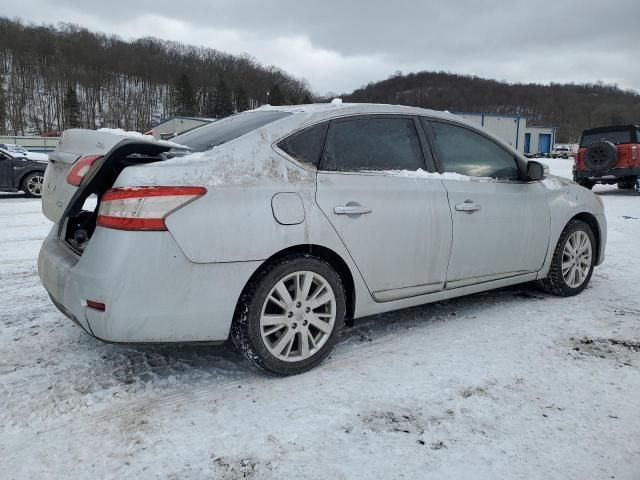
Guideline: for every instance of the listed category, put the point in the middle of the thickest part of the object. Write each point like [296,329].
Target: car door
[501,225]
[6,170]
[391,217]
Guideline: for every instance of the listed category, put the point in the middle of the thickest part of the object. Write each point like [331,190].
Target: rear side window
[373,144]
[306,146]
[226,129]
[464,151]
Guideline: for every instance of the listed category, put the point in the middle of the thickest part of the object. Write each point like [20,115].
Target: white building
[176,125]
[33,143]
[513,129]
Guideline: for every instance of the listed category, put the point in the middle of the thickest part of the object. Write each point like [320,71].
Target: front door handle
[468,206]
[351,210]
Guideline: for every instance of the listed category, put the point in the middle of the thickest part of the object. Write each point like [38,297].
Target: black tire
[554,282]
[601,156]
[246,329]
[628,183]
[32,184]
[588,184]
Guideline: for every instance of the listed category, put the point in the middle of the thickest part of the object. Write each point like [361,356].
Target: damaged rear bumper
[151,291]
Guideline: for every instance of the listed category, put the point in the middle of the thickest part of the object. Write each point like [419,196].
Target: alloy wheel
[298,316]
[34,185]
[576,259]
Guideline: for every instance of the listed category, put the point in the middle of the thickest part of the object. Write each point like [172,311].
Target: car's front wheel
[290,315]
[32,184]
[573,260]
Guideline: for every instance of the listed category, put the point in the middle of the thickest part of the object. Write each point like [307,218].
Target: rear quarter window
[306,145]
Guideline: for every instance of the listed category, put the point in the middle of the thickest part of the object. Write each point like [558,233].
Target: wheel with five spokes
[573,260]
[290,315]
[32,184]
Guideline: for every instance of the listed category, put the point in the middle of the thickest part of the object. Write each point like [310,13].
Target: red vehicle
[609,155]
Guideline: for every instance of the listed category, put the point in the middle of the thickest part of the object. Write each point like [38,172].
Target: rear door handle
[468,206]
[351,210]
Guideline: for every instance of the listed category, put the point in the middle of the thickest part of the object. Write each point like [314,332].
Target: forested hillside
[569,107]
[52,78]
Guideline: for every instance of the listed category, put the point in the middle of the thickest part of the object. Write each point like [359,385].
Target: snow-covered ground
[512,384]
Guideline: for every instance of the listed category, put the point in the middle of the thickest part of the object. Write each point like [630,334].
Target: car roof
[334,109]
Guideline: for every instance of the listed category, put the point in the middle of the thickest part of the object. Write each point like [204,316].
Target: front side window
[306,145]
[371,143]
[464,151]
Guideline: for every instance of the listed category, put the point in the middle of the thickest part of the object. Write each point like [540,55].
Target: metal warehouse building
[513,129]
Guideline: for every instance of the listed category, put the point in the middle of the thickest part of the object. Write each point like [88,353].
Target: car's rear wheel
[290,315]
[627,183]
[573,260]
[32,184]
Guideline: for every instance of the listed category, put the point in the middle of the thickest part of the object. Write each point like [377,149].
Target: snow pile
[237,162]
[140,136]
[424,174]
[555,183]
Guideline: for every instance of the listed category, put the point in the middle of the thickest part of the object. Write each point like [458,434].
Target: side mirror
[536,171]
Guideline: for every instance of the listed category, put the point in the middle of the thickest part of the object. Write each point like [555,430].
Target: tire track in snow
[217,391]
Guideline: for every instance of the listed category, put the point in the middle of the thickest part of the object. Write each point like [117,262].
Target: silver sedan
[273,226]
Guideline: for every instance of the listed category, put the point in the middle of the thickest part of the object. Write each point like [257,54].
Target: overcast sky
[341,45]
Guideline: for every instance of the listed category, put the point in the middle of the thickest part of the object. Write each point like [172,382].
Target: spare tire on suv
[609,155]
[601,156]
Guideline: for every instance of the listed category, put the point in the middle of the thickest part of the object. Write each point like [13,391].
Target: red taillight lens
[96,305]
[80,169]
[143,208]
[634,152]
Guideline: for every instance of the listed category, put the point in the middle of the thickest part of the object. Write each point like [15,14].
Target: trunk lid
[57,193]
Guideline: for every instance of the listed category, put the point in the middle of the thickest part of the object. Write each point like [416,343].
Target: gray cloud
[340,45]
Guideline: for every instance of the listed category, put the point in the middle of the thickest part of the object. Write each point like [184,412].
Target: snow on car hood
[553,182]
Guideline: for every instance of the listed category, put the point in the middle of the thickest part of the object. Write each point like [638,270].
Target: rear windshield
[616,137]
[229,128]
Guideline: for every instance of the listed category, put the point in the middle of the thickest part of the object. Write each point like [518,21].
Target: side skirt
[373,308]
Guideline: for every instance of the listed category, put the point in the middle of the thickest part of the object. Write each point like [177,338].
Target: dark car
[17,172]
[609,155]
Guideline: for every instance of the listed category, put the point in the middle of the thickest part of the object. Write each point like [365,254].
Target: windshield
[616,137]
[226,129]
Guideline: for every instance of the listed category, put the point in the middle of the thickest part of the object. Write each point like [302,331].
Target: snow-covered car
[275,225]
[14,148]
[19,172]
[19,151]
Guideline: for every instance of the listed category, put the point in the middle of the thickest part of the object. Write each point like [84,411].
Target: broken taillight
[143,208]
